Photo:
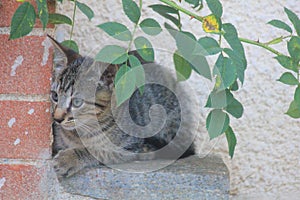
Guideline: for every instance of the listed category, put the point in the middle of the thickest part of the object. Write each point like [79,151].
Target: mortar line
[21,97]
[34,32]
[10,161]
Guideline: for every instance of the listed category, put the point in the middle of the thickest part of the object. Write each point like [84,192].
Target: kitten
[89,130]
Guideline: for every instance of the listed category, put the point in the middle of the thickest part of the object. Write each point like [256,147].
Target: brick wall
[25,131]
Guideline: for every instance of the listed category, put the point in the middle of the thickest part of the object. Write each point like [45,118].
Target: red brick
[30,77]
[8,7]
[21,182]
[25,130]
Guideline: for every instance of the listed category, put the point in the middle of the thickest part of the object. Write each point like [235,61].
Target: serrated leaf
[85,9]
[294,110]
[235,108]
[219,99]
[122,70]
[182,66]
[71,44]
[294,19]
[43,12]
[226,70]
[287,62]
[294,48]
[139,72]
[55,18]
[207,46]
[131,10]
[125,85]
[231,140]
[22,21]
[211,24]
[216,7]
[144,48]
[116,30]
[281,25]
[112,54]
[217,122]
[288,78]
[150,26]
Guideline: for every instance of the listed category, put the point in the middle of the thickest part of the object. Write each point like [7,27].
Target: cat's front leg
[70,161]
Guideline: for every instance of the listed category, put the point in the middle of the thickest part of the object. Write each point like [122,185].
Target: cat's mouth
[68,125]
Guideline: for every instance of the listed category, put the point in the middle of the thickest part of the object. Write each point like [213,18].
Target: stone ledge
[189,178]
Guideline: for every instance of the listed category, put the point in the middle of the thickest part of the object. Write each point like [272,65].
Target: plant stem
[73,20]
[261,45]
[175,6]
[199,18]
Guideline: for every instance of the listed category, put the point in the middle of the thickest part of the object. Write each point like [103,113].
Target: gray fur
[97,132]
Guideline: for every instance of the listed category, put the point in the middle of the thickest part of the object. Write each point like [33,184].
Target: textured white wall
[267,158]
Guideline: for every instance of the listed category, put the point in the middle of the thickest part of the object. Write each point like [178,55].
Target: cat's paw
[66,163]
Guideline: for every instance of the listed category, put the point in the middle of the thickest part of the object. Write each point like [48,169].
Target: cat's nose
[59,115]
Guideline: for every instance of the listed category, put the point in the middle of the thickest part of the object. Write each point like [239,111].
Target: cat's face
[81,89]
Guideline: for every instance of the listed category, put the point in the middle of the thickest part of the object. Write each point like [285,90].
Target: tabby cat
[90,130]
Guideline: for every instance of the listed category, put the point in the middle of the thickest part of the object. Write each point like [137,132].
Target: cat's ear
[63,56]
[109,75]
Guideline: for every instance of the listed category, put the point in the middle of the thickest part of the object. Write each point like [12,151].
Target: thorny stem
[199,18]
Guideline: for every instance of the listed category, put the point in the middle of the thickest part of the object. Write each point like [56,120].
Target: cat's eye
[54,96]
[77,102]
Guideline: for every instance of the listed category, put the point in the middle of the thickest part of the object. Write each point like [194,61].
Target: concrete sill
[189,178]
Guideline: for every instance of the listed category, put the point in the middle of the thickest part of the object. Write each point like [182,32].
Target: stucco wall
[267,158]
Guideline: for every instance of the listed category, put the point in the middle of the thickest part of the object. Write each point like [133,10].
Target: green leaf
[239,61]
[235,108]
[200,65]
[294,48]
[219,99]
[162,9]
[280,24]
[55,18]
[195,3]
[297,96]
[234,86]
[116,30]
[139,72]
[132,10]
[125,84]
[231,140]
[22,21]
[150,26]
[185,43]
[144,48]
[288,78]
[294,110]
[167,12]
[207,46]
[85,10]
[217,122]
[294,19]
[112,54]
[43,12]
[226,70]
[71,44]
[182,66]
[287,62]
[231,36]
[216,7]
